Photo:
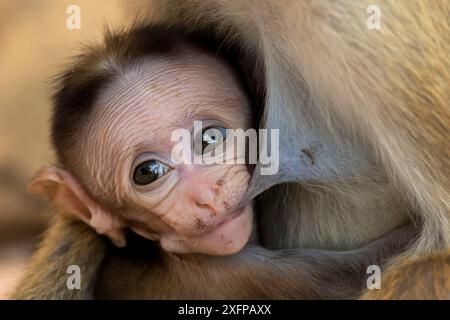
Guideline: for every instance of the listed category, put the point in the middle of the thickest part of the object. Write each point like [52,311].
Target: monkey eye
[149,171]
[211,138]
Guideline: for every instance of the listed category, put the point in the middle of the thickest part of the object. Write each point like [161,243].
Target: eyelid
[160,188]
[210,122]
[150,156]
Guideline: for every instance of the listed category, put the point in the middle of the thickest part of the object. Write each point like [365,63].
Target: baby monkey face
[164,195]
[127,171]
[191,208]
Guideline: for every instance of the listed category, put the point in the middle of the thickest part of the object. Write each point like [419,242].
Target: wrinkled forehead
[155,96]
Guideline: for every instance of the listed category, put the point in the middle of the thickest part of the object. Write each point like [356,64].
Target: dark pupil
[147,172]
[207,141]
[208,136]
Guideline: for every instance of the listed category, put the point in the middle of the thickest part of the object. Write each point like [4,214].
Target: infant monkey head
[114,114]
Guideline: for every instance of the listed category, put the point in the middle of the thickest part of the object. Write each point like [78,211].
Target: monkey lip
[225,238]
[231,217]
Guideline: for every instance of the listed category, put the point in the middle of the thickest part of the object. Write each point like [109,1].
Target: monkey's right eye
[149,171]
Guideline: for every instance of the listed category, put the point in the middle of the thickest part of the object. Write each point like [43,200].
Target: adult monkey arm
[67,242]
[420,283]
[253,273]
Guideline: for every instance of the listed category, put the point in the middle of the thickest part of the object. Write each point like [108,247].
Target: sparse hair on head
[78,87]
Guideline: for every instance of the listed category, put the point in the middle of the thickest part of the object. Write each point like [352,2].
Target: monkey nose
[206,198]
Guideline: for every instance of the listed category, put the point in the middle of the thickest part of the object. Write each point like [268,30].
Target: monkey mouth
[230,217]
[224,238]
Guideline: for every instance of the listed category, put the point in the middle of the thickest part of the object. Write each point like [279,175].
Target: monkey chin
[227,238]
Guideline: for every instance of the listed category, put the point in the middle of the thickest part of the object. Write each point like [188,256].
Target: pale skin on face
[191,208]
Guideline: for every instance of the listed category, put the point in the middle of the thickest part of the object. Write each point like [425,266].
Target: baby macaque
[113,125]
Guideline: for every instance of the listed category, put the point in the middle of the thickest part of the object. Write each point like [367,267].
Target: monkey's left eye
[149,171]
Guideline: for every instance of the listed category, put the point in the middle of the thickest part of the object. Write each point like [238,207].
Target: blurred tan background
[34,45]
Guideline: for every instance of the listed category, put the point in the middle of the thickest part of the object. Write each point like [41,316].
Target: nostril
[218,186]
[201,205]
[205,197]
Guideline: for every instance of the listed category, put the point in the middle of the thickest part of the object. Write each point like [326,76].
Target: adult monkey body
[387,87]
[358,94]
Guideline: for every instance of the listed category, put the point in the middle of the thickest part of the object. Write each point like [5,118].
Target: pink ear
[68,194]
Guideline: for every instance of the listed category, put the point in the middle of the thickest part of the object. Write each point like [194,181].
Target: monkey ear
[66,193]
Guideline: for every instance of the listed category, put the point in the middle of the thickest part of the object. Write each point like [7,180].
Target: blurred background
[35,43]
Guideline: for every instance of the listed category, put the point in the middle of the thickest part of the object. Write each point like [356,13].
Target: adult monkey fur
[382,92]
[375,99]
